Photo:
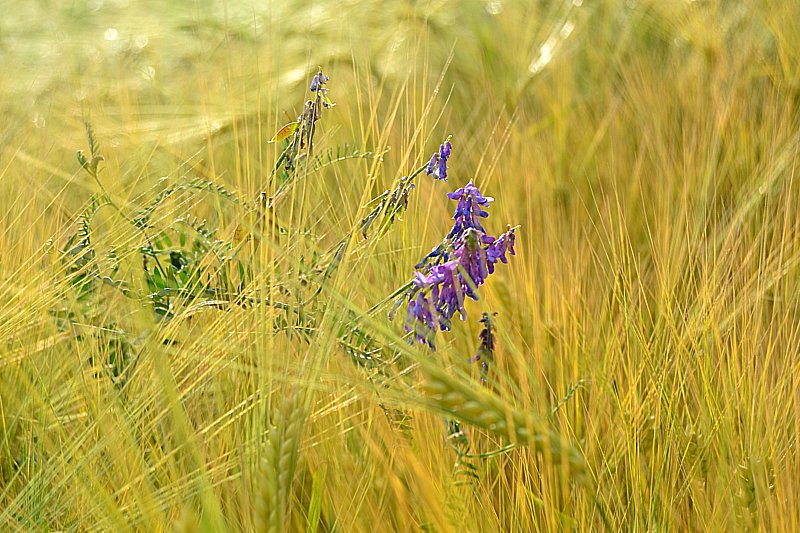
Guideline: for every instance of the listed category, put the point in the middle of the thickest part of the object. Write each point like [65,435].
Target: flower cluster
[318,81]
[317,86]
[461,264]
[470,209]
[300,133]
[437,167]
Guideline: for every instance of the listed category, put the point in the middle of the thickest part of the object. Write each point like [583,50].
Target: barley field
[236,296]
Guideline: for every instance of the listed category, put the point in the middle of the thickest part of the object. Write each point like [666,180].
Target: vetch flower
[470,209]
[453,271]
[446,289]
[496,251]
[472,259]
[420,320]
[300,133]
[318,81]
[437,166]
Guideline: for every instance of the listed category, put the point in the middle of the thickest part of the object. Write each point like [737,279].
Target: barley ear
[278,466]
[483,409]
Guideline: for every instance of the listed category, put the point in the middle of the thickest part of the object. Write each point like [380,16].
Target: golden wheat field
[228,253]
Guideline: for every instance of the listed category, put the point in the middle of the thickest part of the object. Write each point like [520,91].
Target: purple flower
[456,268]
[473,261]
[446,289]
[437,166]
[420,320]
[318,81]
[448,293]
[444,150]
[469,209]
[432,165]
[321,98]
[496,251]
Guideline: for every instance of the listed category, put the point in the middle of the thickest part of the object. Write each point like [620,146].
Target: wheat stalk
[485,410]
[278,465]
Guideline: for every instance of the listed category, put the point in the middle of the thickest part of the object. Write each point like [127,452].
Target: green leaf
[82,159]
[158,279]
[285,132]
[315,507]
[242,275]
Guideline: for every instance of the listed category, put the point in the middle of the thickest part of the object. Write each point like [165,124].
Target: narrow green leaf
[315,507]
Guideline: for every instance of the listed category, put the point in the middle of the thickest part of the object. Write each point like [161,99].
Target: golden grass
[647,371]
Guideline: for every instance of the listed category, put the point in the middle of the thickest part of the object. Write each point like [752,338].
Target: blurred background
[647,148]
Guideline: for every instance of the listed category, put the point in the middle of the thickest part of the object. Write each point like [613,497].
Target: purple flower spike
[432,165]
[420,320]
[444,150]
[498,247]
[440,173]
[456,269]
[474,262]
[437,167]
[469,209]
[318,81]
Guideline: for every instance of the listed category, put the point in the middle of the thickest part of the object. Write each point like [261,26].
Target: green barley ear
[90,165]
[485,410]
[278,466]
